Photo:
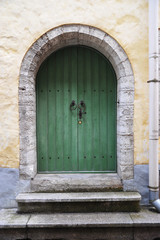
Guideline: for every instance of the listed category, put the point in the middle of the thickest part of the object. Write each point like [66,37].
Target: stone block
[27,171]
[120,70]
[79,220]
[97,33]
[83,30]
[29,157]
[125,126]
[126,96]
[114,58]
[71,36]
[13,234]
[128,69]
[125,112]
[10,219]
[145,218]
[126,156]
[81,233]
[108,50]
[127,171]
[78,202]
[146,233]
[125,141]
[126,83]
[76,182]
[110,42]
[70,28]
[42,41]
[55,33]
[30,142]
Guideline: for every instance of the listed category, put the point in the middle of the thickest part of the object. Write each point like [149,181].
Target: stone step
[79,202]
[85,226]
[52,183]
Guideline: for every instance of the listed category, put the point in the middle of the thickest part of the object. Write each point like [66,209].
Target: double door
[76,112]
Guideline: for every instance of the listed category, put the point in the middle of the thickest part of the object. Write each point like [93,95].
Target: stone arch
[51,41]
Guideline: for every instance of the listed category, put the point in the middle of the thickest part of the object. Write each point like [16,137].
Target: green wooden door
[71,82]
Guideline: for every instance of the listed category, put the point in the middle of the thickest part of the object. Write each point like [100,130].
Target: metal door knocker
[81,107]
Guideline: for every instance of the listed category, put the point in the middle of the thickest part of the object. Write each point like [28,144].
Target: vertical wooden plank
[80,97]
[73,125]
[59,131]
[42,118]
[87,130]
[70,117]
[103,115]
[95,112]
[111,119]
[51,112]
[67,115]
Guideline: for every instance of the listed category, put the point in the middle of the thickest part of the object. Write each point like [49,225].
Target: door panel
[76,73]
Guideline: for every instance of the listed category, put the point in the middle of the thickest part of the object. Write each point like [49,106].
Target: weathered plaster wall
[22,22]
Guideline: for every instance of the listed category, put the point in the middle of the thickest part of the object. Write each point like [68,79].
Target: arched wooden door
[76,112]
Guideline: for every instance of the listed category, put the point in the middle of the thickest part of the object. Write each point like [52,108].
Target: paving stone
[10,219]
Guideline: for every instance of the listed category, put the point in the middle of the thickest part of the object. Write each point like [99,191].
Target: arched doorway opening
[76,112]
[50,42]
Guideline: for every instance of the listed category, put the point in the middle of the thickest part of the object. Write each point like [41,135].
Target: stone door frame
[51,41]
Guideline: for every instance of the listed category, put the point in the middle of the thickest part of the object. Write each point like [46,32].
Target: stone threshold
[76,183]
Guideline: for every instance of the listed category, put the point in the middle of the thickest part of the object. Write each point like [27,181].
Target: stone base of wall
[10,185]
[139,183]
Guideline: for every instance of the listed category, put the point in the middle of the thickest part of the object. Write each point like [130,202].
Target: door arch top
[76,34]
[65,35]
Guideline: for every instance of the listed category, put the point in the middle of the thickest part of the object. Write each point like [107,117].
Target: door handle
[73,105]
[82,107]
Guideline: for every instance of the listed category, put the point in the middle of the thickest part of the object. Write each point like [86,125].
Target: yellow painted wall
[22,22]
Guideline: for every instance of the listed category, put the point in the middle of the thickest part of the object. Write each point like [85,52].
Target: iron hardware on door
[81,106]
[73,105]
